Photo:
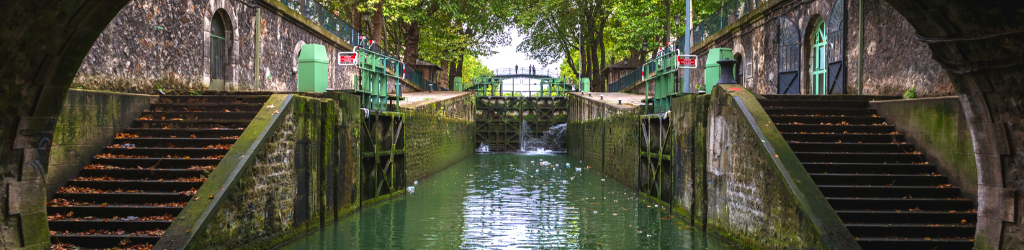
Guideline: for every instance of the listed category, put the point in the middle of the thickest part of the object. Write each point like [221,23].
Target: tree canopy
[564,32]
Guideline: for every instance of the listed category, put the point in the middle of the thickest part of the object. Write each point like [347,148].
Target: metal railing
[324,17]
[730,11]
[525,72]
[626,81]
[418,80]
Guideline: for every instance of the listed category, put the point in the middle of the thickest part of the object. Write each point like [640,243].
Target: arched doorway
[836,51]
[738,72]
[788,63]
[817,62]
[218,51]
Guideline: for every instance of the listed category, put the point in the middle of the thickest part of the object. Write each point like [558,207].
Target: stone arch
[979,44]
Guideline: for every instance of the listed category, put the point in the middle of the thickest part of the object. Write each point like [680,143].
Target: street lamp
[677,31]
[366,21]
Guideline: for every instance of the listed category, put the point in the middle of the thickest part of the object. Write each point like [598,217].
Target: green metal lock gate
[661,73]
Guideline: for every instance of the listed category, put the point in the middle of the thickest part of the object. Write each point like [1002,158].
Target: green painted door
[818,53]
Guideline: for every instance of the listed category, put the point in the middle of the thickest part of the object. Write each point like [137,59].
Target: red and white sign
[686,61]
[348,58]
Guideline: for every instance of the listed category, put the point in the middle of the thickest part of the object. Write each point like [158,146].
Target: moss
[170,83]
[383,198]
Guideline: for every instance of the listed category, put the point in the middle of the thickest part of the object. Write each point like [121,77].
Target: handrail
[730,11]
[525,72]
[322,16]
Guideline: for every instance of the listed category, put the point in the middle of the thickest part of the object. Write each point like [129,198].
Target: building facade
[813,47]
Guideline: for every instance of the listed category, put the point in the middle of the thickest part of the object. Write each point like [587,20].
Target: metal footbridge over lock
[505,117]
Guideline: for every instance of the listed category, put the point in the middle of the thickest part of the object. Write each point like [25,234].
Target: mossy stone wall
[690,121]
[87,123]
[604,137]
[938,128]
[438,135]
[302,178]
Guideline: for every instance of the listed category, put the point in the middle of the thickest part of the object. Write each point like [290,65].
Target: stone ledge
[193,218]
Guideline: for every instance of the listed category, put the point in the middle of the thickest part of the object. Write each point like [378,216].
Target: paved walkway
[416,99]
[612,98]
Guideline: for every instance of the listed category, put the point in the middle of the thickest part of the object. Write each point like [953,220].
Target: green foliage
[472,68]
[910,93]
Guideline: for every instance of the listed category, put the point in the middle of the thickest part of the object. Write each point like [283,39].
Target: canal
[512,201]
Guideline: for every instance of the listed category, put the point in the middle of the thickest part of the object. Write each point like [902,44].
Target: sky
[507,57]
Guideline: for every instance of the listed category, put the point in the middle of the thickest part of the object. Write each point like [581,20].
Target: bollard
[430,88]
[727,72]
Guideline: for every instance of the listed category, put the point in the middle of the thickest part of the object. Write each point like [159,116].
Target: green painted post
[711,68]
[313,68]
[585,84]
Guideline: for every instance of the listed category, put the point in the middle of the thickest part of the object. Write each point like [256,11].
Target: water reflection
[500,201]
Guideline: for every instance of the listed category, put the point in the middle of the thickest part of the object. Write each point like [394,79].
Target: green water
[504,201]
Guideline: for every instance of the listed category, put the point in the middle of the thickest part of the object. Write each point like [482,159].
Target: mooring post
[726,72]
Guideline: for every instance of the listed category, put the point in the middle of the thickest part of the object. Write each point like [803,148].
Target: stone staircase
[883,189]
[131,192]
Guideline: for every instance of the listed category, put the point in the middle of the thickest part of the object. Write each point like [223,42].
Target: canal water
[512,201]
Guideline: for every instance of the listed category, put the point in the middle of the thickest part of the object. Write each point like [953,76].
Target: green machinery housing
[659,76]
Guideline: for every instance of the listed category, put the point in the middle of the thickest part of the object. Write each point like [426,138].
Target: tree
[473,69]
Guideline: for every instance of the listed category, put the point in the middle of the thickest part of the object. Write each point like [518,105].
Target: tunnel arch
[979,44]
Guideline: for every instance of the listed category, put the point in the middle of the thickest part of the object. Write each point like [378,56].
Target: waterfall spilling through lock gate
[553,140]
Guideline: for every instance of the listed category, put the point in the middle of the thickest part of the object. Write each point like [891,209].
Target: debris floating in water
[410,189]
[579,169]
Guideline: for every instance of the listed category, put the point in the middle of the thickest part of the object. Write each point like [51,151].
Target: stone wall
[292,171]
[937,127]
[733,174]
[154,44]
[757,192]
[604,137]
[894,60]
[87,123]
[438,134]
[690,121]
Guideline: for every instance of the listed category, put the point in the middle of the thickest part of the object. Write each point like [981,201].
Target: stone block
[34,228]
[996,203]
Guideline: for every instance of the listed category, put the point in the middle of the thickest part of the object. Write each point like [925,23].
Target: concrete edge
[622,108]
[194,217]
[832,232]
[956,98]
[317,29]
[104,92]
[431,101]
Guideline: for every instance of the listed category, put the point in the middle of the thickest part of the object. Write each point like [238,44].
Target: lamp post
[366,21]
[677,31]
[676,47]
